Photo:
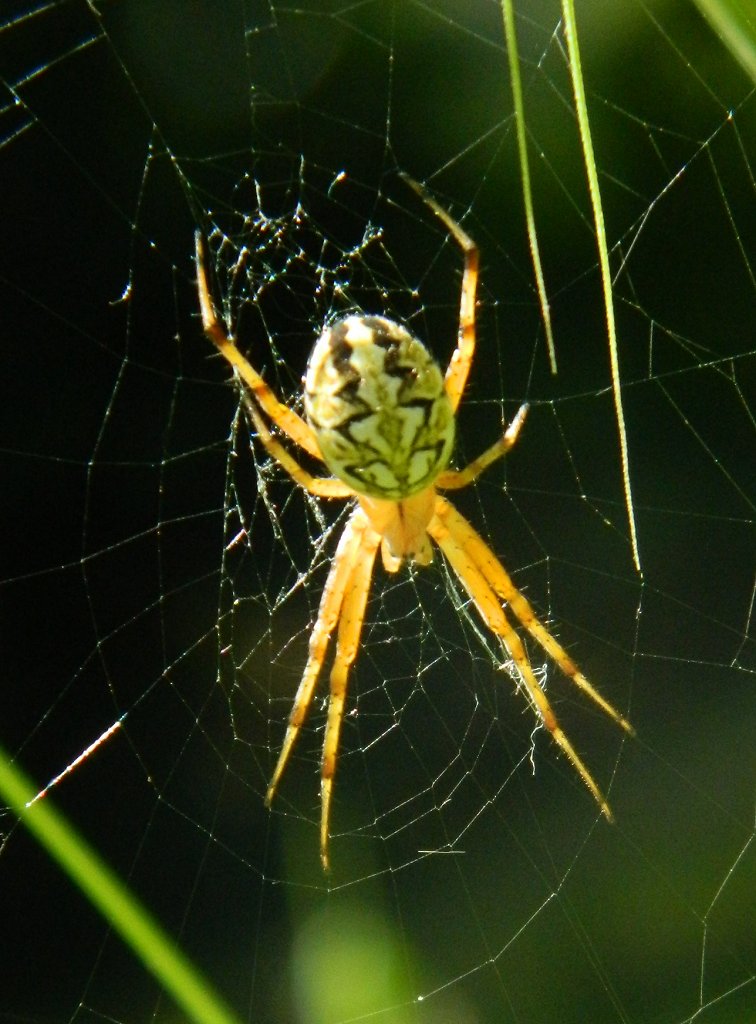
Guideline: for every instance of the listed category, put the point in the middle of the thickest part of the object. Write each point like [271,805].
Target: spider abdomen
[376,400]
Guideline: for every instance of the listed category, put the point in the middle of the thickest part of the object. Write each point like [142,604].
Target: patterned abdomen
[375,398]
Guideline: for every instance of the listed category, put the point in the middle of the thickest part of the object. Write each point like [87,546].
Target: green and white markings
[376,400]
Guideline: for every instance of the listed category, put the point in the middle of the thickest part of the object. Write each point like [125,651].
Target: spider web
[161,578]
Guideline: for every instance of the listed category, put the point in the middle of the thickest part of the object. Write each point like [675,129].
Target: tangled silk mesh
[161,576]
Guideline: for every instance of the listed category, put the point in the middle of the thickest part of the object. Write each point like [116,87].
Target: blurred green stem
[734,21]
[112,898]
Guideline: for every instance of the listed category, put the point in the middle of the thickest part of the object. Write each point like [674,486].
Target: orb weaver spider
[381,417]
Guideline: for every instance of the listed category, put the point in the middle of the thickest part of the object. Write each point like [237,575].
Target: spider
[381,417]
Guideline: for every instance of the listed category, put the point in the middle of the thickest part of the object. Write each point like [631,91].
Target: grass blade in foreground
[581,109]
[734,21]
[510,35]
[113,900]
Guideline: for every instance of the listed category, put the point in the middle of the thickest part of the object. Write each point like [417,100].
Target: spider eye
[376,400]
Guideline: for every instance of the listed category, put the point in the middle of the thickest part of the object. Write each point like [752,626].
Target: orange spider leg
[350,626]
[453,479]
[454,535]
[501,583]
[459,365]
[328,615]
[289,422]
[322,486]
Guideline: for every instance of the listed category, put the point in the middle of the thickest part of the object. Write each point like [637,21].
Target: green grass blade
[510,35]
[113,899]
[734,21]
[581,109]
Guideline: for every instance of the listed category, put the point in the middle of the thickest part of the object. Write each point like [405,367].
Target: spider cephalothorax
[380,416]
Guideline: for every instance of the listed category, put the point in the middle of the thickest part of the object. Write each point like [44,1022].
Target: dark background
[120,596]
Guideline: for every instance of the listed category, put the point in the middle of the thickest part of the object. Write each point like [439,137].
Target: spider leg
[286,419]
[331,602]
[501,583]
[454,536]
[453,479]
[322,486]
[459,365]
[350,626]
